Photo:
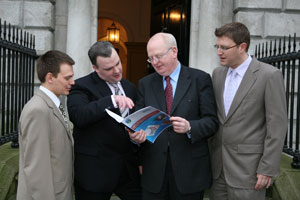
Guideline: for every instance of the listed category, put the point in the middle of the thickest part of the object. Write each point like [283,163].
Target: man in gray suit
[46,143]
[246,150]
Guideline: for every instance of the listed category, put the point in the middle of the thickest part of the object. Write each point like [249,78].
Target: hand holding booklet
[151,120]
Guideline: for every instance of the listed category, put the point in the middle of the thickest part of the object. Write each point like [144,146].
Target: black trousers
[126,189]
[169,189]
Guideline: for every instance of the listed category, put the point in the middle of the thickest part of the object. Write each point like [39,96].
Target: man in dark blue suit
[105,158]
[177,164]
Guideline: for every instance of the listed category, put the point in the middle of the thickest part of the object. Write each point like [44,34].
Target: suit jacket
[46,152]
[250,138]
[102,146]
[194,100]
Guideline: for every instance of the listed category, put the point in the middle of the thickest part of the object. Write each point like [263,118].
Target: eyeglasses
[223,48]
[157,57]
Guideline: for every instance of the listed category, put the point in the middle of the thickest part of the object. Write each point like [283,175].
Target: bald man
[177,165]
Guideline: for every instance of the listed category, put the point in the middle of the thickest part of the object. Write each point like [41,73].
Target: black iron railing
[284,55]
[17,60]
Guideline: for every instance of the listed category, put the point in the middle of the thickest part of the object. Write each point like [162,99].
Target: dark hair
[50,62]
[102,48]
[236,31]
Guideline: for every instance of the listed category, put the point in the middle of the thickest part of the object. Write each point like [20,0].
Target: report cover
[153,121]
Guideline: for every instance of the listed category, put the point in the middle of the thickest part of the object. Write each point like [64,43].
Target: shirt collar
[111,84]
[242,68]
[175,74]
[51,95]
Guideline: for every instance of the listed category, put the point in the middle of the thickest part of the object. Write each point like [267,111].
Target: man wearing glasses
[251,103]
[177,165]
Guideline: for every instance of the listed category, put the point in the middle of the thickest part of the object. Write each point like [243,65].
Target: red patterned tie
[169,95]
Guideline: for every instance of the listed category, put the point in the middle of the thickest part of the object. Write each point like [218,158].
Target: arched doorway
[134,19]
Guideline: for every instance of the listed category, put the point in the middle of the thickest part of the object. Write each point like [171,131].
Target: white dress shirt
[240,71]
[51,95]
[113,93]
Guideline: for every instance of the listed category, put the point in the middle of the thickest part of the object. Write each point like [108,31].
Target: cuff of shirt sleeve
[113,101]
[134,142]
[188,134]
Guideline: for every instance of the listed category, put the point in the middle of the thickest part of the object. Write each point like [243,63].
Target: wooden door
[173,16]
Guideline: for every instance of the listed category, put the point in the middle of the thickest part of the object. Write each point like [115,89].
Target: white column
[81,28]
[194,33]
[206,17]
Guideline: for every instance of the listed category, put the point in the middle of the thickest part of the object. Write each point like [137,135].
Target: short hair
[50,62]
[102,48]
[169,39]
[236,31]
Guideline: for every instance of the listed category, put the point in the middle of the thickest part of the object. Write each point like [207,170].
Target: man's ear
[174,51]
[243,46]
[49,77]
[95,67]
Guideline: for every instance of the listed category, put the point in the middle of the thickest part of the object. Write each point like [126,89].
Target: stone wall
[36,17]
[61,25]
[48,21]
[268,19]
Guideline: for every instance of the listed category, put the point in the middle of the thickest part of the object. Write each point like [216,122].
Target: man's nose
[72,82]
[116,69]
[154,61]
[219,51]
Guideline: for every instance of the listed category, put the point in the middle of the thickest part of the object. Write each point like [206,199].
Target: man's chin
[160,71]
[223,64]
[118,79]
[66,93]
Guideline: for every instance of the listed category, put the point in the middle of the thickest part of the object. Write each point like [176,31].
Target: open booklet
[150,119]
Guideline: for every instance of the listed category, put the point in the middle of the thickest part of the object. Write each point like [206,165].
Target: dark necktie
[64,114]
[169,95]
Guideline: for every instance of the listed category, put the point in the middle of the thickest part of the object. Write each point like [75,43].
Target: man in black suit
[177,164]
[105,160]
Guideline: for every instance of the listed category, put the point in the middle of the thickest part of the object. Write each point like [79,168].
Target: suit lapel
[100,86]
[158,91]
[126,88]
[102,89]
[220,91]
[128,92]
[183,84]
[246,84]
[55,111]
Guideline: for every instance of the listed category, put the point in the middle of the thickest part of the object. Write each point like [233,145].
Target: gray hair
[169,39]
[102,48]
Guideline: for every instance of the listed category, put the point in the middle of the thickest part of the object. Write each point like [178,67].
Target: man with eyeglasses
[177,164]
[251,103]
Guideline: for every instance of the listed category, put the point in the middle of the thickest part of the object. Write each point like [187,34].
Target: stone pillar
[80,34]
[61,25]
[206,16]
